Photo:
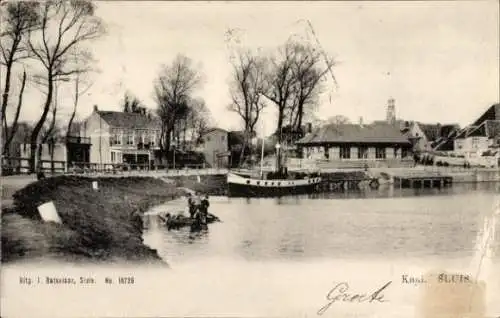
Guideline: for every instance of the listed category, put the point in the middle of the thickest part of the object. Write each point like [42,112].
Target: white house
[482,135]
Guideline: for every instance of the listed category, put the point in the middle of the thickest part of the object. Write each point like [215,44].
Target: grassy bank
[97,226]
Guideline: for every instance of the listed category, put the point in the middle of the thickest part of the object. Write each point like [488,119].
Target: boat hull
[239,186]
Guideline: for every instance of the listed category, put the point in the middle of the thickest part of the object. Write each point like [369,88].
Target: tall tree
[338,120]
[308,69]
[49,133]
[10,132]
[132,104]
[18,19]
[293,81]
[198,120]
[79,90]
[174,87]
[246,87]
[65,27]
[280,83]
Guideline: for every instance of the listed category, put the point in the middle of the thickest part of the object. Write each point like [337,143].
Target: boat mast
[262,153]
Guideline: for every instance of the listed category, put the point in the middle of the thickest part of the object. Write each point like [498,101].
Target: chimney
[361,121]
[439,130]
[96,108]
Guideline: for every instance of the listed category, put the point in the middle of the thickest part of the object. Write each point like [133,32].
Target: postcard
[250,159]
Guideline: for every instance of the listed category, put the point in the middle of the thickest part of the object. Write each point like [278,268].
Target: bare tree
[173,89]
[338,120]
[10,132]
[49,134]
[246,86]
[65,27]
[132,104]
[198,120]
[294,81]
[308,71]
[19,18]
[79,91]
[280,83]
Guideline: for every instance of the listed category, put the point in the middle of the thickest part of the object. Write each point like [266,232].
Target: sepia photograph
[250,159]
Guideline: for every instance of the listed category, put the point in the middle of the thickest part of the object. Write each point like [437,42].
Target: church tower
[391,111]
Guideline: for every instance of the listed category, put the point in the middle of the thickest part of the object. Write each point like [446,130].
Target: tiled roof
[353,133]
[212,129]
[445,145]
[492,113]
[129,120]
[489,128]
[493,128]
[465,132]
[436,131]
[431,131]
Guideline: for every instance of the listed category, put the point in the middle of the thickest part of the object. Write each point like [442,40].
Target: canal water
[281,257]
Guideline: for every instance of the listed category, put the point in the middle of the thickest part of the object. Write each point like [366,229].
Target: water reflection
[196,235]
[385,223]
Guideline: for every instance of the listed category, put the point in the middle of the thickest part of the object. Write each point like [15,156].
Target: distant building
[355,142]
[119,137]
[390,116]
[47,152]
[427,137]
[214,147]
[483,134]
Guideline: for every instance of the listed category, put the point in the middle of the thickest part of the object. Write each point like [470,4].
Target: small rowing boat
[175,222]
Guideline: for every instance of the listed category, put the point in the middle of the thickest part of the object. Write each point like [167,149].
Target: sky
[438,60]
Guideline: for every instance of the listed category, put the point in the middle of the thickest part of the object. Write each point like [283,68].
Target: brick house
[119,137]
[483,134]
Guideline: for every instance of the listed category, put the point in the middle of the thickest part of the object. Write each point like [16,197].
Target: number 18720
[126,280]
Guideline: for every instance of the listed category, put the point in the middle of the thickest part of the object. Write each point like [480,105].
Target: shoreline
[98,226]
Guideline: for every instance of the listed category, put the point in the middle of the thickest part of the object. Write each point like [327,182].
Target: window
[115,137]
[208,138]
[113,156]
[475,142]
[155,135]
[404,152]
[380,153]
[130,138]
[222,138]
[145,137]
[362,152]
[345,152]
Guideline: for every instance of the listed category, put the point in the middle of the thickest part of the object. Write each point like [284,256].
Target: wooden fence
[294,163]
[17,165]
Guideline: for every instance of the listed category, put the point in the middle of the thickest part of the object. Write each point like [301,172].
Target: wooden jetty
[341,181]
[421,179]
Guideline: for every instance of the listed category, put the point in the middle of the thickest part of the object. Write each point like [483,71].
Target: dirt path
[10,184]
